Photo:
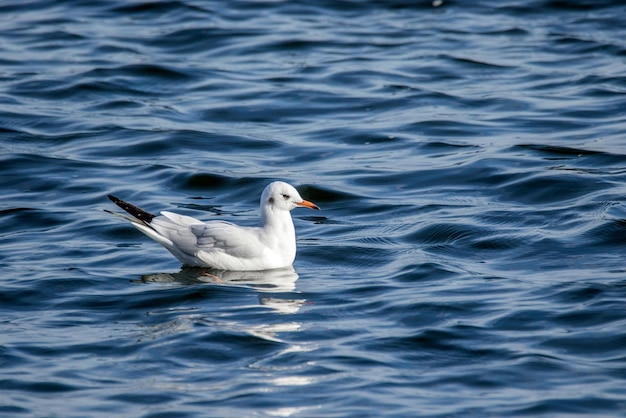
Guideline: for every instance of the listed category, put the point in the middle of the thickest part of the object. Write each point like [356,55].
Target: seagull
[223,245]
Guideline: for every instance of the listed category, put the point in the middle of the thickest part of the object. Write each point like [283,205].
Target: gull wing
[194,237]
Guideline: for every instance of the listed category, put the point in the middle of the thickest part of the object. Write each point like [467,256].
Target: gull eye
[285,196]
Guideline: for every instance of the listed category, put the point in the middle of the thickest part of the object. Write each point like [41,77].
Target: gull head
[282,196]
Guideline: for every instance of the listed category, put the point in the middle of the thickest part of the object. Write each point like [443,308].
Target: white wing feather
[205,240]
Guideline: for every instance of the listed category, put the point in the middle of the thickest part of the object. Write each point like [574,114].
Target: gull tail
[158,231]
[139,216]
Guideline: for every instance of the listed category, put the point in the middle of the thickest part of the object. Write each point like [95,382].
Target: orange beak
[307,204]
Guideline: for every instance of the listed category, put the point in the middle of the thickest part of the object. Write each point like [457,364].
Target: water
[468,156]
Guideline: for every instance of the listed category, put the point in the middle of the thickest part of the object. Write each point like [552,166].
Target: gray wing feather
[191,235]
[232,239]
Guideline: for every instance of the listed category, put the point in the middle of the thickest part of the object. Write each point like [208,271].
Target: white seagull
[222,245]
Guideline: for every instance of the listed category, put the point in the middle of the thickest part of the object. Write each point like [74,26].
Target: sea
[469,158]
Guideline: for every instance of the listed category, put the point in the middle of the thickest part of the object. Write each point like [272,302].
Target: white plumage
[223,245]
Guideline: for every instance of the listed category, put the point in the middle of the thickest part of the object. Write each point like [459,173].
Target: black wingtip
[138,213]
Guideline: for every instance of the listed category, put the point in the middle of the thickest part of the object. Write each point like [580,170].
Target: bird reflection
[266,281]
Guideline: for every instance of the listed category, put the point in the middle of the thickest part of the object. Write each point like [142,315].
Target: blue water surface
[469,158]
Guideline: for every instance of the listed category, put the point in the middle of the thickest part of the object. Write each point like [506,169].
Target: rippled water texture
[469,158]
